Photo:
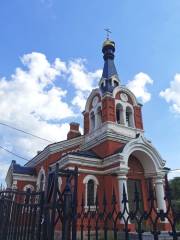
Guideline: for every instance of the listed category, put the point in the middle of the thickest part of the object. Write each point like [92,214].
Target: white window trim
[28,186]
[95,111]
[59,183]
[41,172]
[124,106]
[96,183]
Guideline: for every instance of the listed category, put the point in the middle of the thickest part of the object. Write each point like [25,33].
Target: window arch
[98,117]
[41,180]
[28,186]
[92,120]
[119,114]
[59,183]
[91,184]
[129,117]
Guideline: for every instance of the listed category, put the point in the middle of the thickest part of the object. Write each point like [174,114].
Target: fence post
[67,212]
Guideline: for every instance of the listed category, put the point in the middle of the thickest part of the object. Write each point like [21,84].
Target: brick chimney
[74,130]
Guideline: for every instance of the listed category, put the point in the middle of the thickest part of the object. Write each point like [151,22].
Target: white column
[159,186]
[122,181]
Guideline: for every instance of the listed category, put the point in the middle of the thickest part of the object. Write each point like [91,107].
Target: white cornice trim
[110,171]
[23,177]
[87,162]
[110,131]
[54,148]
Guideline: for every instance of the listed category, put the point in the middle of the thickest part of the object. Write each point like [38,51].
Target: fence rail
[56,214]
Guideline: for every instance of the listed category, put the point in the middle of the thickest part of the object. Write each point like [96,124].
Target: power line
[17,129]
[5,149]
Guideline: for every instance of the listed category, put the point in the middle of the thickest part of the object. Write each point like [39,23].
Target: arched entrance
[136,177]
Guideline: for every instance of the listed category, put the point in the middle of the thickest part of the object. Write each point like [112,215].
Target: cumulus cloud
[139,86]
[83,81]
[33,100]
[172,94]
[80,77]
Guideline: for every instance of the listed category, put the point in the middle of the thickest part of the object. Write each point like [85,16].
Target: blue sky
[65,37]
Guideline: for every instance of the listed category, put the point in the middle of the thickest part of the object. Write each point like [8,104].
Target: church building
[112,151]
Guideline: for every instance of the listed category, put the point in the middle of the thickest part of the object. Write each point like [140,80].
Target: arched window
[119,114]
[90,193]
[41,180]
[92,122]
[98,117]
[41,185]
[129,117]
[91,184]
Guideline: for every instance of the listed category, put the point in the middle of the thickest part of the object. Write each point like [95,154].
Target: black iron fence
[56,214]
[20,215]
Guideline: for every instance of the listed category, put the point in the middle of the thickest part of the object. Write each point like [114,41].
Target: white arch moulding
[41,172]
[93,93]
[127,91]
[149,157]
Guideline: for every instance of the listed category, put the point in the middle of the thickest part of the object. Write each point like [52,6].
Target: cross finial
[107,32]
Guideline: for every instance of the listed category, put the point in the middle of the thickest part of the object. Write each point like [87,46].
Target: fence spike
[136,196]
[113,197]
[124,200]
[104,199]
[97,201]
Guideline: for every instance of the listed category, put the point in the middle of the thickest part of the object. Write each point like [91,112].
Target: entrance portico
[142,162]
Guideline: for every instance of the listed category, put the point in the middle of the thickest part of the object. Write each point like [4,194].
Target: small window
[91,185]
[116,83]
[99,117]
[90,193]
[119,114]
[41,185]
[92,121]
[129,117]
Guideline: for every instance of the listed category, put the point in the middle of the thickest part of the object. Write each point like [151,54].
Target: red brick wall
[22,184]
[138,117]
[52,159]
[108,109]
[107,148]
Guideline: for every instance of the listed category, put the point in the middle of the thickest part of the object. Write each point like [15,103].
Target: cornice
[110,131]
[23,177]
[87,162]
[54,148]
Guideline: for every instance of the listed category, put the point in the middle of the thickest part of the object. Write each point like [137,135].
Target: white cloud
[138,86]
[172,94]
[80,100]
[33,100]
[82,80]
[80,77]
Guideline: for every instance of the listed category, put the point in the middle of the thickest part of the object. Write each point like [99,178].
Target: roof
[88,153]
[17,168]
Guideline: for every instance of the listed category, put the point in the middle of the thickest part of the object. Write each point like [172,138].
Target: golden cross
[107,32]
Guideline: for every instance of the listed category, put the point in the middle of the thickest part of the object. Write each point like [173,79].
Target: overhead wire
[17,155]
[20,130]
